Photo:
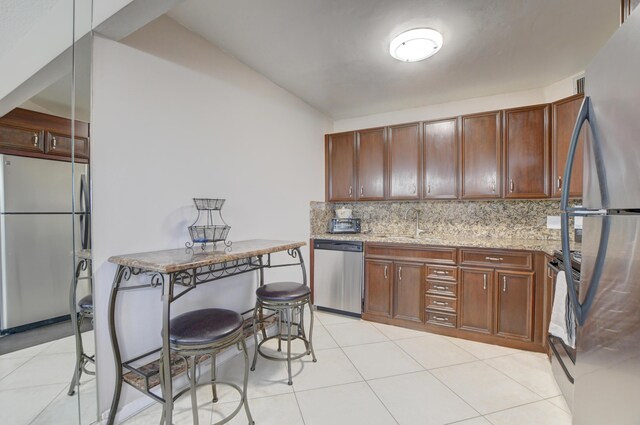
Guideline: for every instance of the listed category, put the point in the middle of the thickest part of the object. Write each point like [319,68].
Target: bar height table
[186,269]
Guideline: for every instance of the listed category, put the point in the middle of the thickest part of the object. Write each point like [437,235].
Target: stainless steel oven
[563,357]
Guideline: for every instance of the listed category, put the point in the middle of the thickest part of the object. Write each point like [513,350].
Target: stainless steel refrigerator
[607,305]
[36,263]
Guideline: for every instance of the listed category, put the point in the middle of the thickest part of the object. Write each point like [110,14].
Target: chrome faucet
[419,231]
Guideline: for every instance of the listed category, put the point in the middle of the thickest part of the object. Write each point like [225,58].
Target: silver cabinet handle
[504,284]
[511,185]
[439,303]
[386,270]
[414,188]
[559,183]
[493,186]
[442,288]
[350,190]
[429,188]
[484,286]
[36,139]
[440,319]
[439,272]
[361,190]
[54,142]
[400,273]
[494,258]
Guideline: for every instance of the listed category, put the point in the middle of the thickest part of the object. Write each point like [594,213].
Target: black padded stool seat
[282,291]
[203,326]
[86,303]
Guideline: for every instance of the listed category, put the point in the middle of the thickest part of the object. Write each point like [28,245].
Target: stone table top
[543,245]
[175,260]
[84,254]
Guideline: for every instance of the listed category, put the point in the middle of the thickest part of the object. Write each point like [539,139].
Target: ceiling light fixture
[416,44]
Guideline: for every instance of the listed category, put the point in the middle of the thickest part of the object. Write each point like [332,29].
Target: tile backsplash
[520,219]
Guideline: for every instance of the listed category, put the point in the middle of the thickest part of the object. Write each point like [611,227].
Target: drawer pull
[440,319]
[440,272]
[386,272]
[442,288]
[485,282]
[440,303]
[54,141]
[36,139]
[494,258]
[504,284]
[400,273]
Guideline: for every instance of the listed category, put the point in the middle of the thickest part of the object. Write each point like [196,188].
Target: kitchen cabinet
[564,115]
[34,134]
[378,287]
[480,148]
[526,152]
[476,300]
[340,154]
[440,148]
[626,8]
[407,293]
[404,161]
[514,305]
[371,164]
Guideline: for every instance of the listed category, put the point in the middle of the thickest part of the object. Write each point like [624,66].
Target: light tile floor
[367,373]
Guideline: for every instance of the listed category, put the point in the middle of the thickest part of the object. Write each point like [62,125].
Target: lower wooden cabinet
[514,305]
[378,287]
[476,300]
[407,293]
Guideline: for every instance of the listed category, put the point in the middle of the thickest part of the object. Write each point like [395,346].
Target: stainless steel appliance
[36,239]
[344,225]
[607,306]
[563,359]
[338,278]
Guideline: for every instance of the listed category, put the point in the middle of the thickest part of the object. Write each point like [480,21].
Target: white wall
[173,118]
[551,93]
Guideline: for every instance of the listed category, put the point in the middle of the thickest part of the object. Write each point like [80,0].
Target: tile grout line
[35,418]
[514,380]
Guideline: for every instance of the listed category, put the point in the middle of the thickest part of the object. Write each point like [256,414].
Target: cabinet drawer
[442,288]
[442,273]
[61,145]
[22,139]
[497,259]
[441,303]
[441,319]
[441,255]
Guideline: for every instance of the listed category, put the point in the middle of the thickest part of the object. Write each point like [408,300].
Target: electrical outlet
[553,222]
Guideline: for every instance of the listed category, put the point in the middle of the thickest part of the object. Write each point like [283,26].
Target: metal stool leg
[194,397]
[313,354]
[214,389]
[246,383]
[289,317]
[79,358]
[255,335]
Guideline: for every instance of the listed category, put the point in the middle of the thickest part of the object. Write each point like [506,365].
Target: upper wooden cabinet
[29,133]
[480,155]
[626,8]
[526,152]
[404,161]
[371,164]
[564,115]
[340,153]
[440,159]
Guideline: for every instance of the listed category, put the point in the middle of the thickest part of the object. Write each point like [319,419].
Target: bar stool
[283,298]
[82,359]
[206,333]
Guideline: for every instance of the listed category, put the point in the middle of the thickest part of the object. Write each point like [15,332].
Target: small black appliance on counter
[344,225]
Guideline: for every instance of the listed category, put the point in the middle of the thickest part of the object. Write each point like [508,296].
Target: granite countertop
[84,254]
[543,245]
[175,260]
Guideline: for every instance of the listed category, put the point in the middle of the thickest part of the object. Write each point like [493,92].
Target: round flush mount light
[416,44]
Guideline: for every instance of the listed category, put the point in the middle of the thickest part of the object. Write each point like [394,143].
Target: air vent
[578,85]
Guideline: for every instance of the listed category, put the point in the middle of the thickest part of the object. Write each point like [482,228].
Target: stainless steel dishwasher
[338,278]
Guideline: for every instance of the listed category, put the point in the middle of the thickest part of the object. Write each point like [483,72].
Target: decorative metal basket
[208,204]
[204,231]
[209,233]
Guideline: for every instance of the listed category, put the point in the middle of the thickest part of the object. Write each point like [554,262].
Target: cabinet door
[564,115]
[514,305]
[378,287]
[408,293]
[440,159]
[480,155]
[20,139]
[526,152]
[340,153]
[404,161]
[475,300]
[371,156]
[60,145]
